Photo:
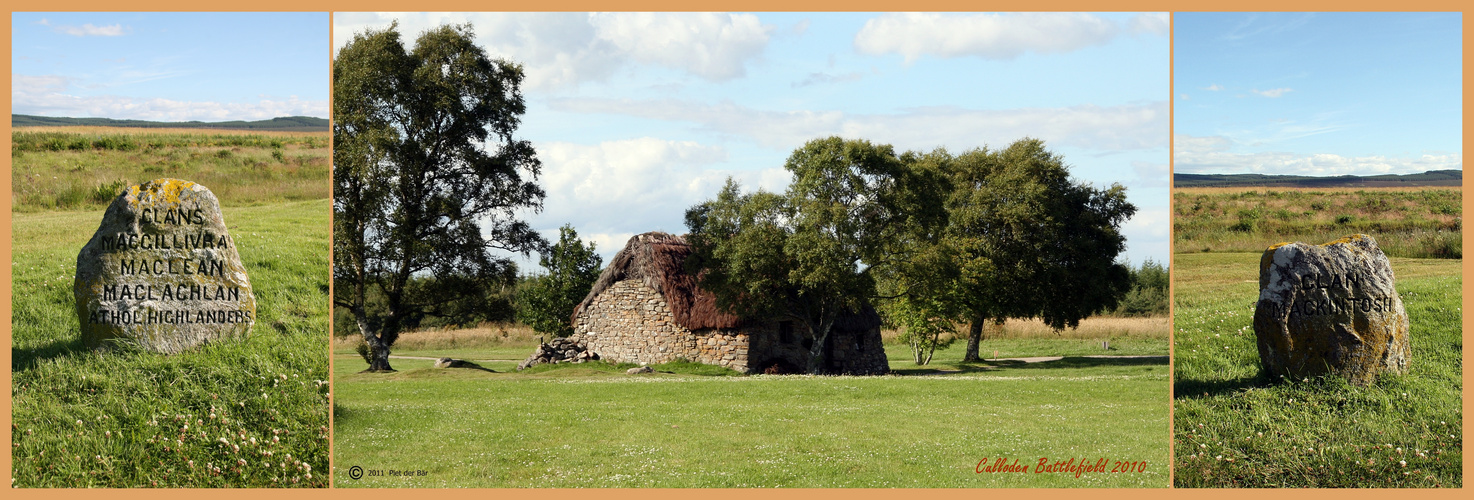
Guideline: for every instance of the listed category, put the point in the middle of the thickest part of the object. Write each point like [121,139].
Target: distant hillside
[1429,178]
[284,124]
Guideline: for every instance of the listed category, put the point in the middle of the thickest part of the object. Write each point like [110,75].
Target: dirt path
[392,356]
[1042,359]
[1036,359]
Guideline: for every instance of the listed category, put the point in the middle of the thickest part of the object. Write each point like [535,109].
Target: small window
[785,332]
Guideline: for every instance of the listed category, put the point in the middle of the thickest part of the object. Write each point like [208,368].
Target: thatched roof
[658,260]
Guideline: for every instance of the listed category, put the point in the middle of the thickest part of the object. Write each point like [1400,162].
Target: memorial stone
[162,272]
[1329,309]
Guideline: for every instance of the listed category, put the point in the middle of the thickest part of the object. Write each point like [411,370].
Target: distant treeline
[1429,178]
[282,124]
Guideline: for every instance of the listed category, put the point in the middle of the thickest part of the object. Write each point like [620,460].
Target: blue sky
[638,116]
[1318,93]
[170,66]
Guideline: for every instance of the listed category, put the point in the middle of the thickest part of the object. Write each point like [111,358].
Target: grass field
[690,425]
[510,343]
[136,419]
[1235,429]
[73,168]
[1407,222]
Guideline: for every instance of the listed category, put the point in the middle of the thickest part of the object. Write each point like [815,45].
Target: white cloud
[1150,23]
[1132,126]
[86,29]
[1150,174]
[620,188]
[49,95]
[1187,143]
[800,28]
[989,36]
[1214,87]
[711,45]
[24,87]
[1318,164]
[1150,224]
[823,78]
[560,49]
[1272,93]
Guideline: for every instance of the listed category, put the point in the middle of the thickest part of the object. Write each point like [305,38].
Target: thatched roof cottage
[645,308]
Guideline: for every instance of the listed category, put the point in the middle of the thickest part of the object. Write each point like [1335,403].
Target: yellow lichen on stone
[1345,239]
[1268,257]
[165,192]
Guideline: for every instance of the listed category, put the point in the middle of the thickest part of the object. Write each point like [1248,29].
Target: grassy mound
[1235,429]
[247,412]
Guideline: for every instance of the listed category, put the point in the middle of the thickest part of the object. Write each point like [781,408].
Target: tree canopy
[1030,242]
[427,176]
[546,302]
[984,235]
[812,252]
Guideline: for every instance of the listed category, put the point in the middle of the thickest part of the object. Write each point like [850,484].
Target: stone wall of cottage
[857,353]
[630,322]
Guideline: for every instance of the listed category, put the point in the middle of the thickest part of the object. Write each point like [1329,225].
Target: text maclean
[207,267]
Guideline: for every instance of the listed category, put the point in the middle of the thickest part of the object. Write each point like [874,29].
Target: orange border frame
[746,5]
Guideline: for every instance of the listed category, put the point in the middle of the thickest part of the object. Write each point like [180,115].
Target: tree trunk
[816,351]
[378,349]
[974,337]
[380,361]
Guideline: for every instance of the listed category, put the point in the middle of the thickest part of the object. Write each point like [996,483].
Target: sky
[638,116]
[170,66]
[1318,93]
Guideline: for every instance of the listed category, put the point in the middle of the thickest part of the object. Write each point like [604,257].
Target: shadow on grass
[1013,364]
[1187,389]
[1085,362]
[25,359]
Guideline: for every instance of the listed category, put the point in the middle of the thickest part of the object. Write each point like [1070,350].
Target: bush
[1148,294]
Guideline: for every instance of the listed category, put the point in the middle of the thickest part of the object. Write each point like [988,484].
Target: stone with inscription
[1330,309]
[162,272]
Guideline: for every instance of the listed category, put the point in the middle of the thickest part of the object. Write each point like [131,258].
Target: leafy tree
[1148,295]
[811,253]
[427,177]
[922,321]
[547,302]
[1029,242]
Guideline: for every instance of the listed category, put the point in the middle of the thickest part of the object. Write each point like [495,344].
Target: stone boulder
[1330,309]
[572,349]
[639,370]
[162,272]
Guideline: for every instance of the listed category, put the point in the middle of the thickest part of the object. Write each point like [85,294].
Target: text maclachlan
[170,292]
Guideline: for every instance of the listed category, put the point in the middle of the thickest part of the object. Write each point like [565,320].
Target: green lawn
[1235,429]
[899,355]
[592,425]
[136,419]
